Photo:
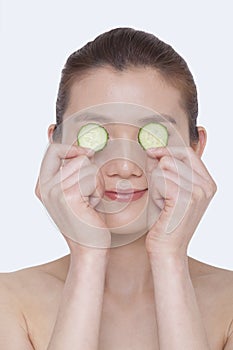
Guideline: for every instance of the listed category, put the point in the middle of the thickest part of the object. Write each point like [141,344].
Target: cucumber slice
[153,135]
[92,136]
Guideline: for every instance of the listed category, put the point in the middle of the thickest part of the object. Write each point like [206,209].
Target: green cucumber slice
[153,135]
[92,136]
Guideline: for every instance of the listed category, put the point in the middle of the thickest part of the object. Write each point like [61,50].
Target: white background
[36,39]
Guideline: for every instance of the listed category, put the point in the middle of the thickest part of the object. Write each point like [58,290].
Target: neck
[129,271]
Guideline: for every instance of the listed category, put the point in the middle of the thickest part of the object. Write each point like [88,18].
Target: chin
[123,236]
[128,222]
[128,225]
[128,217]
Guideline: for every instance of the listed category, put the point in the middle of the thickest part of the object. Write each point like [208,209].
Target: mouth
[125,195]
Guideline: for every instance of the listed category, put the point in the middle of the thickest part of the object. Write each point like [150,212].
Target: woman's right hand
[70,186]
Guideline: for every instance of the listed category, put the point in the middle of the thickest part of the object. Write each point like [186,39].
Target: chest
[130,325]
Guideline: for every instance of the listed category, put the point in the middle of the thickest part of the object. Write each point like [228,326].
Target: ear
[50,132]
[50,137]
[200,146]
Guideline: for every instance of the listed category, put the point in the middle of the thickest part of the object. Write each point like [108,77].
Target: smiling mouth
[125,195]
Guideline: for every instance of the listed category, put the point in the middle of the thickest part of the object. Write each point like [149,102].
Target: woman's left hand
[183,188]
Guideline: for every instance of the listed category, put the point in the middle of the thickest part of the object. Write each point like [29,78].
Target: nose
[126,159]
[123,157]
[123,168]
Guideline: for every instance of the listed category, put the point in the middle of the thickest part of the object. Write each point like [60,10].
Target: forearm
[180,324]
[78,320]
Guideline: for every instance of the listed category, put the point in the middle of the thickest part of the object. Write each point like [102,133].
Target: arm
[184,186]
[79,315]
[180,324]
[66,192]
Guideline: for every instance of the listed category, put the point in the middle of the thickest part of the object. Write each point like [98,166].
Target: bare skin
[38,290]
[131,281]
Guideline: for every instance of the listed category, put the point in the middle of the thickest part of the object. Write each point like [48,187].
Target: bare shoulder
[29,299]
[207,278]
[33,285]
[202,271]
[35,276]
[214,290]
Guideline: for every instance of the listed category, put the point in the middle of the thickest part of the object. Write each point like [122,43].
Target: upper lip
[128,191]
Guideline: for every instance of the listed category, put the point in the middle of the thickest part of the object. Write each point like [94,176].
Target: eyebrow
[92,116]
[101,118]
[159,118]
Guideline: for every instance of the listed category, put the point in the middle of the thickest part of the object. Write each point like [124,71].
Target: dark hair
[123,48]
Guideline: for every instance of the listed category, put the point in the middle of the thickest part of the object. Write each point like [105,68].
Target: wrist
[168,261]
[88,256]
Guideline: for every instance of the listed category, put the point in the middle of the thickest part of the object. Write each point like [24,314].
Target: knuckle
[211,190]
[42,192]
[214,187]
[38,190]
[198,193]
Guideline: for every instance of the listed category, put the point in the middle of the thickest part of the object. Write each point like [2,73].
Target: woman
[127,213]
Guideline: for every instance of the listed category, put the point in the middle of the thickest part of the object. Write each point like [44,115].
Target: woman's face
[138,91]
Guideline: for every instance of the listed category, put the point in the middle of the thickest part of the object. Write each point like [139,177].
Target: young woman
[127,210]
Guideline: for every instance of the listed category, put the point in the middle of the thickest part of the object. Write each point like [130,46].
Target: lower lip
[120,197]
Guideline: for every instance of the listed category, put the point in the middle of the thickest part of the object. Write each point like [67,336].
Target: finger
[83,179]
[80,222]
[84,182]
[175,200]
[53,157]
[184,154]
[164,185]
[78,165]
[183,172]
[175,178]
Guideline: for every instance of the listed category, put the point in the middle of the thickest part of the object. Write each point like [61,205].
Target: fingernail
[152,150]
[156,149]
[89,151]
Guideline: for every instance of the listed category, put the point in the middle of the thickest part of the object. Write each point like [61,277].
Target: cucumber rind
[92,135]
[153,135]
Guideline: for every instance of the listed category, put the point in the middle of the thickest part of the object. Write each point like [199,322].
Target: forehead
[143,87]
